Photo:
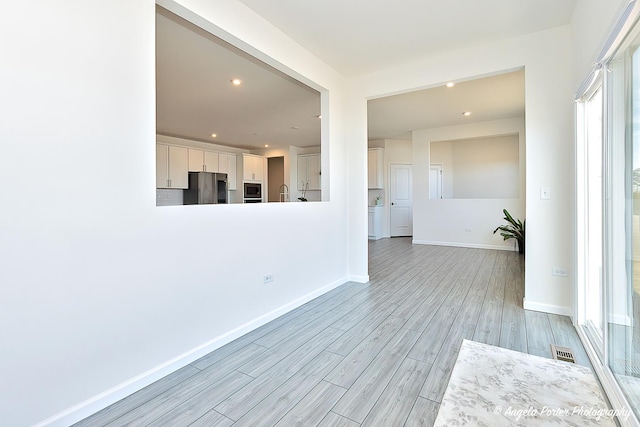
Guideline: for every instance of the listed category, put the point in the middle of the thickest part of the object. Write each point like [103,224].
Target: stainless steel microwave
[252,190]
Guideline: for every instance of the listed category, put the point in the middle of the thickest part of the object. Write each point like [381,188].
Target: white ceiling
[362,36]
[490,98]
[195,97]
[194,69]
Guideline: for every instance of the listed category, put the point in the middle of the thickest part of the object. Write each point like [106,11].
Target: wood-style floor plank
[314,407]
[429,343]
[335,420]
[379,353]
[212,419]
[423,413]
[346,373]
[287,396]
[438,377]
[393,407]
[163,403]
[190,410]
[139,398]
[253,393]
[539,335]
[366,390]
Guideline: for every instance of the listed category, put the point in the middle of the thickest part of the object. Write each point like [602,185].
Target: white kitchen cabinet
[252,167]
[211,161]
[203,161]
[309,172]
[375,168]
[172,167]
[227,164]
[375,222]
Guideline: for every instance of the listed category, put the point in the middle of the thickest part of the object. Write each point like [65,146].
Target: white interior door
[435,181]
[401,207]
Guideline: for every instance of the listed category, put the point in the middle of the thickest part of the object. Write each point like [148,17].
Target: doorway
[435,181]
[275,178]
[400,202]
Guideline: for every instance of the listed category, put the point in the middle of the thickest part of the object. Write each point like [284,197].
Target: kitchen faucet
[284,193]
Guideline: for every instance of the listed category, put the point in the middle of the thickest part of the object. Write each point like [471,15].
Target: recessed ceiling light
[266,145]
[450,84]
[319,116]
[236,82]
[256,133]
[295,127]
[213,135]
[466,113]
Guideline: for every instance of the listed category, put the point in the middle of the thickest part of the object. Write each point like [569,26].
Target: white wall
[103,292]
[444,221]
[479,168]
[549,135]
[591,23]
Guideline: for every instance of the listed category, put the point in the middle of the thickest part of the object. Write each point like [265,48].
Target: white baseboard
[358,279]
[547,308]
[463,245]
[618,319]
[96,403]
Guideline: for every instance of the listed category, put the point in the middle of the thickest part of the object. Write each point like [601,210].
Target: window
[623,218]
[591,207]
[608,216]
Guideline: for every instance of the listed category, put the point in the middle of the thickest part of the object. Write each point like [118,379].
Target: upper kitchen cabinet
[309,173]
[172,167]
[375,168]
[253,167]
[227,164]
[203,161]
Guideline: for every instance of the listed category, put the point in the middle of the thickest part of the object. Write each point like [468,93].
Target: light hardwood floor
[375,354]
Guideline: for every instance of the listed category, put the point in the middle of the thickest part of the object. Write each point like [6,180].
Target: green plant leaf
[514,229]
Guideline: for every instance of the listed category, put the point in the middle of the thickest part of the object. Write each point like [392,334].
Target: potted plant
[515,229]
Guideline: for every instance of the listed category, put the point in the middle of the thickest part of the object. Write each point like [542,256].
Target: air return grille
[562,353]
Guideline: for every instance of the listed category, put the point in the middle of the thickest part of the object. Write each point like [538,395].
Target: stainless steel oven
[252,192]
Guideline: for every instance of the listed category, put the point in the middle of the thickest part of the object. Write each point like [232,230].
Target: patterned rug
[491,386]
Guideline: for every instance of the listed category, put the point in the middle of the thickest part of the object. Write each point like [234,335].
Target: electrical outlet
[467,229]
[560,272]
[268,278]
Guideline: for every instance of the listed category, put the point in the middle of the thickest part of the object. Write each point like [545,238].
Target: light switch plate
[545,193]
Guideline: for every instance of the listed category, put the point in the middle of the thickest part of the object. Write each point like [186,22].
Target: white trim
[100,401]
[358,279]
[547,308]
[621,27]
[620,320]
[464,245]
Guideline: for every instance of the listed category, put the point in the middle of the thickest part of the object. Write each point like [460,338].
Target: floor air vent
[562,353]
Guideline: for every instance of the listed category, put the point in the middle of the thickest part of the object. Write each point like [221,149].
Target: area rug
[492,386]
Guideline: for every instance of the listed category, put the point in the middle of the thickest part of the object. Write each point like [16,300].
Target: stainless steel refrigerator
[206,188]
